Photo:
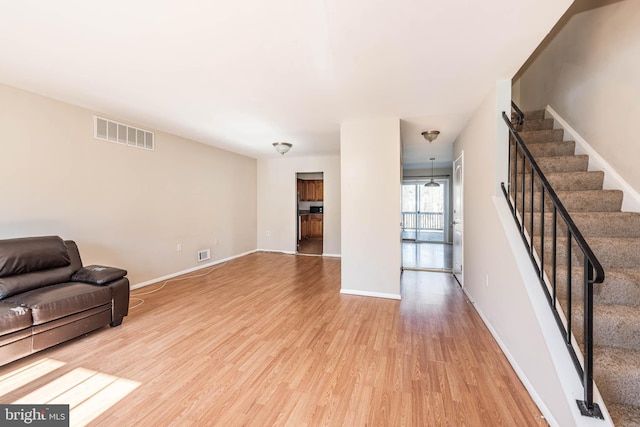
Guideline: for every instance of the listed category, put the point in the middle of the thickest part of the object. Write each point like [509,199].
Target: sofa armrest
[98,274]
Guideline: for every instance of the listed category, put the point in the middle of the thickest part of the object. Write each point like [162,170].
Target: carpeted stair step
[563,181]
[624,415]
[617,374]
[581,201]
[566,181]
[563,163]
[576,181]
[613,326]
[549,149]
[545,135]
[616,252]
[620,286]
[592,224]
[537,124]
[611,252]
[554,164]
[591,200]
[534,115]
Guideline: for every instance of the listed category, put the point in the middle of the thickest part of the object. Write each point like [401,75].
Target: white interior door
[458,218]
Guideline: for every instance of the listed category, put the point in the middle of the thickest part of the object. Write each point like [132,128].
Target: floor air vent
[204,255]
[108,130]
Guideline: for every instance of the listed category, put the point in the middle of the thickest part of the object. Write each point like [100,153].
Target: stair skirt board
[571,383]
[596,200]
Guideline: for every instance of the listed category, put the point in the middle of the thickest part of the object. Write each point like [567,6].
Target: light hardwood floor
[310,246]
[267,339]
[427,256]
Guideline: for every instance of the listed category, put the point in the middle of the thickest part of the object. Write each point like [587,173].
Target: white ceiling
[241,75]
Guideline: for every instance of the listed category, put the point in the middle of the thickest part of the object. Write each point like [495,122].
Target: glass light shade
[430,135]
[282,147]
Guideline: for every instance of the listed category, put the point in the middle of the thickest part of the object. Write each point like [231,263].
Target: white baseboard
[277,251]
[612,180]
[514,364]
[295,253]
[189,270]
[369,294]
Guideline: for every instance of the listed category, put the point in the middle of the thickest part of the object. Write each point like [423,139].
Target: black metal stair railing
[522,202]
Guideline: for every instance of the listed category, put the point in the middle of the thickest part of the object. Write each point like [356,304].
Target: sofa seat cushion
[13,318]
[56,301]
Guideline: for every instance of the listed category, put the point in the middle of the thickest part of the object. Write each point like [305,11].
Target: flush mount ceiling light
[430,135]
[432,183]
[282,147]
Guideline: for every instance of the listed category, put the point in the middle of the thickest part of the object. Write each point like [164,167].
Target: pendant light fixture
[432,183]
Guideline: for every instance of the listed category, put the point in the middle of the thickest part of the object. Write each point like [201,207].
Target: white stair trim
[612,180]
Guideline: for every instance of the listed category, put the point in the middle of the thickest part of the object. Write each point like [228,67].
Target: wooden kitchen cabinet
[302,190]
[310,226]
[311,190]
[304,227]
[315,226]
[316,190]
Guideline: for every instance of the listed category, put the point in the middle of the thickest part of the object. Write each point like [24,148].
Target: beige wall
[492,278]
[277,201]
[125,207]
[589,73]
[371,179]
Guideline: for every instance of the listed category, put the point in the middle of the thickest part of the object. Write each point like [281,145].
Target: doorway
[458,210]
[424,211]
[425,225]
[310,213]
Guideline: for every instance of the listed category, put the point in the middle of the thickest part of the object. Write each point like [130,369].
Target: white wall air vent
[204,255]
[108,130]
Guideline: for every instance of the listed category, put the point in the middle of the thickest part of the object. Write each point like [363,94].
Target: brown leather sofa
[48,297]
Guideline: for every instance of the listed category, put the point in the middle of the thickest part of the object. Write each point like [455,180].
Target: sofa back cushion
[74,255]
[32,262]
[25,255]
[17,284]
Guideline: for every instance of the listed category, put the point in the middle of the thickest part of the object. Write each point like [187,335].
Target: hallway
[427,256]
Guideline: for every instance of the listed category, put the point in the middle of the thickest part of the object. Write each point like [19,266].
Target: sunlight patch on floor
[101,400]
[20,377]
[50,391]
[87,392]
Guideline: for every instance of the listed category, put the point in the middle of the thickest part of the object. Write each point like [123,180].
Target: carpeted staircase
[614,237]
